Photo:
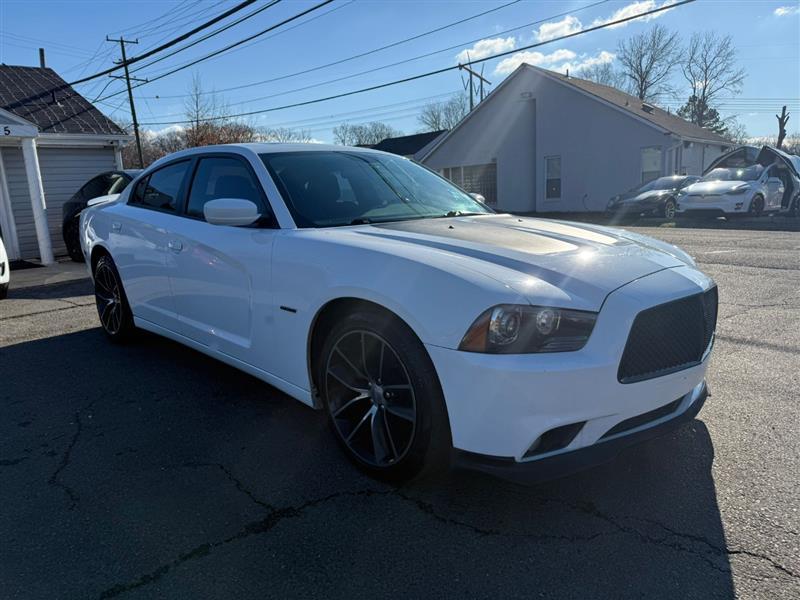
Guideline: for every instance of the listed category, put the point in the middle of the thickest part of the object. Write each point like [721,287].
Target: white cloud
[554,29]
[604,57]
[537,59]
[151,134]
[632,9]
[485,48]
[786,11]
[560,60]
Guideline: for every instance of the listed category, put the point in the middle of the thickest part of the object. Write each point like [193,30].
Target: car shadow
[53,291]
[157,465]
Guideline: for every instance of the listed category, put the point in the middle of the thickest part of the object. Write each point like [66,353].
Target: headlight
[519,329]
[740,189]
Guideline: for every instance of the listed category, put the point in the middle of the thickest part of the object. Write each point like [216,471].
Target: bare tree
[648,60]
[735,131]
[605,74]
[285,134]
[209,119]
[363,134]
[443,115]
[710,69]
[783,119]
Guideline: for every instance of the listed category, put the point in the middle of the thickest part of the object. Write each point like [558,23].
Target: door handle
[116,226]
[175,245]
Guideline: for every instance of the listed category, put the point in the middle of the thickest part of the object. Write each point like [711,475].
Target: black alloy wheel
[112,305]
[383,398]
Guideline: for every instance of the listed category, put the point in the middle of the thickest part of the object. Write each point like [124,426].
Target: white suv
[728,191]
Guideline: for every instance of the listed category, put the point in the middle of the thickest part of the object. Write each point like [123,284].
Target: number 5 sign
[15,130]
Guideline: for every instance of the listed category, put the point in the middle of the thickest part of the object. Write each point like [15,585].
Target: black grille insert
[669,337]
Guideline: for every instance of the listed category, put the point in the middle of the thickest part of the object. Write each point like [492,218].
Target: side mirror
[235,212]
[478,197]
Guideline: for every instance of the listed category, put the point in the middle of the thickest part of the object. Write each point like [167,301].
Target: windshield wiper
[459,213]
[360,221]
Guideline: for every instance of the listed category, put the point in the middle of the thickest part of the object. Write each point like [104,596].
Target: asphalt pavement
[152,471]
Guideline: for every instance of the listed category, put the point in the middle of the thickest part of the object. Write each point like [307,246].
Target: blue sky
[766,34]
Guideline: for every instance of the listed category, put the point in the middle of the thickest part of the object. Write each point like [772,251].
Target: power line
[393,44]
[242,41]
[443,69]
[209,35]
[169,44]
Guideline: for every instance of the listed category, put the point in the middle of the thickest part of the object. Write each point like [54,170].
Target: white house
[51,141]
[546,142]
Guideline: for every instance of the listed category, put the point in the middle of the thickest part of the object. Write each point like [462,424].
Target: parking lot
[151,471]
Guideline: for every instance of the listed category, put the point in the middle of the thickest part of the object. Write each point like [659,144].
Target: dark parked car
[657,197]
[111,182]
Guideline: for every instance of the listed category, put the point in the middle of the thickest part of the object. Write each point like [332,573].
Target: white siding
[64,171]
[532,117]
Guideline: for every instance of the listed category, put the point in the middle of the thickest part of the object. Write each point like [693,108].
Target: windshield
[748,174]
[332,188]
[662,183]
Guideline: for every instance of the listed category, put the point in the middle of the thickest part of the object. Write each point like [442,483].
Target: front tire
[112,304]
[670,209]
[3,291]
[756,206]
[383,397]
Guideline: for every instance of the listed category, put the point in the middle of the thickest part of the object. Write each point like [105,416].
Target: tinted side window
[220,177]
[160,190]
[95,187]
[117,183]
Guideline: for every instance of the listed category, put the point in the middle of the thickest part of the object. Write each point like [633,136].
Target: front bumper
[568,463]
[501,406]
[726,205]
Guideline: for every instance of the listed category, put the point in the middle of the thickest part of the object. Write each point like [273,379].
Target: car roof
[264,148]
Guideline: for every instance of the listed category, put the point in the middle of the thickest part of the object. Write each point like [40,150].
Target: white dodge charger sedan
[432,330]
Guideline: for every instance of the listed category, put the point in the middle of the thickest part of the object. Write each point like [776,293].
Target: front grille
[669,337]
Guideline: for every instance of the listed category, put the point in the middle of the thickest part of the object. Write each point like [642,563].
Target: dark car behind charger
[655,198]
[110,182]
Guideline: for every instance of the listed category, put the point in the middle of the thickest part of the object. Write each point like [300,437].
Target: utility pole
[124,62]
[480,78]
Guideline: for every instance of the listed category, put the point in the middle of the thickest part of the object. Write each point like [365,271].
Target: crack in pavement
[275,515]
[66,457]
[272,519]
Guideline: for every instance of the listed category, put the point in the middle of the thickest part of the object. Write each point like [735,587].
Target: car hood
[537,258]
[715,187]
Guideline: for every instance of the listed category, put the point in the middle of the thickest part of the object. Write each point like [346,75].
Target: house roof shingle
[40,96]
[407,145]
[632,104]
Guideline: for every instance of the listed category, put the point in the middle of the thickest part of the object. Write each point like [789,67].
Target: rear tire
[3,291]
[113,309]
[383,397]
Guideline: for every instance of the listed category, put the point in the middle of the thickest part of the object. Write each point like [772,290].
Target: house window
[651,163]
[552,176]
[481,179]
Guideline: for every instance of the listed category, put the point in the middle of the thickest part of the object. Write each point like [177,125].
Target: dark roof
[632,104]
[43,98]
[407,145]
